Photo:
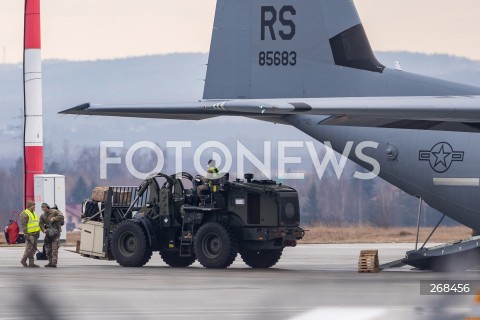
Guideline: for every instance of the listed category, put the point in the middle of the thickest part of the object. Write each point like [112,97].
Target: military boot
[32,264]
[48,265]
[24,262]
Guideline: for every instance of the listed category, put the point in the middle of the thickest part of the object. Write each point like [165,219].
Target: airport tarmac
[309,282]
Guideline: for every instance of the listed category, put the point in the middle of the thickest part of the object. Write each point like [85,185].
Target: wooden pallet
[368,261]
[92,256]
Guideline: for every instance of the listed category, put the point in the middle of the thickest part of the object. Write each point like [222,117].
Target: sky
[106,29]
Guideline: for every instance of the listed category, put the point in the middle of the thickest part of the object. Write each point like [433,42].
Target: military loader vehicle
[257,219]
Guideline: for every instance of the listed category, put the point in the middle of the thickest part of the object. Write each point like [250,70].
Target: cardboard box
[99,194]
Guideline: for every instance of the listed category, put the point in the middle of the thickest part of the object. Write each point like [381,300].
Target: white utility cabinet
[50,188]
[92,239]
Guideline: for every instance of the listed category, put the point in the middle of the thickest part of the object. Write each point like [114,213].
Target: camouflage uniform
[30,243]
[52,242]
[212,173]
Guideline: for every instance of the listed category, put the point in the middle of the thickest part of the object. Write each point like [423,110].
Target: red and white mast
[32,77]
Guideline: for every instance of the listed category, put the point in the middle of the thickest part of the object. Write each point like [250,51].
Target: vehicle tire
[129,245]
[174,260]
[216,246]
[261,259]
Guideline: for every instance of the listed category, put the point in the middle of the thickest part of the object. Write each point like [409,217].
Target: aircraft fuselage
[440,168]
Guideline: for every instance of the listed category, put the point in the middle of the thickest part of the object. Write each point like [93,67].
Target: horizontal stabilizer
[465,109]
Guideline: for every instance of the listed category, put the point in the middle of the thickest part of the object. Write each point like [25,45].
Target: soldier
[212,173]
[31,229]
[212,169]
[51,222]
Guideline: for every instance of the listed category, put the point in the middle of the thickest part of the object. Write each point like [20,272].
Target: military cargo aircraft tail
[302,49]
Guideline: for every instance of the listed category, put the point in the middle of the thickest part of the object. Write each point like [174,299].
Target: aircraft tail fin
[276,49]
